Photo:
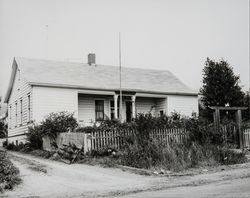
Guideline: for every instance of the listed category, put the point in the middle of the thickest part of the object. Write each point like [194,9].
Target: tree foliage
[220,86]
[3,129]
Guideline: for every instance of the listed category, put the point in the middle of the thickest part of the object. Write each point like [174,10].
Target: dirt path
[46,178]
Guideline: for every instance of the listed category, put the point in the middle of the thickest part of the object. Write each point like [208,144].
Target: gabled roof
[99,77]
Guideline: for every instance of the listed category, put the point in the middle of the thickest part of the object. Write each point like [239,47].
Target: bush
[34,137]
[5,143]
[53,124]
[3,129]
[56,123]
[11,146]
[9,174]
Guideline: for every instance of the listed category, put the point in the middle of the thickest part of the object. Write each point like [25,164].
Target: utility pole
[249,56]
[120,71]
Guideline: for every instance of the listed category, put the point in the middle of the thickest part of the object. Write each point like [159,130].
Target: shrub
[34,137]
[9,174]
[56,123]
[3,129]
[5,143]
[11,146]
[53,124]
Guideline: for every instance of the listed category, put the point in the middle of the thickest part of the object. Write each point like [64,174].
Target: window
[99,110]
[112,109]
[16,114]
[161,113]
[21,111]
[28,108]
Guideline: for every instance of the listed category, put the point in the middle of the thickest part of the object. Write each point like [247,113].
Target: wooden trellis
[238,117]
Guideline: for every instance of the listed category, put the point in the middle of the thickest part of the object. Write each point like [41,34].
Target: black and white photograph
[125,98]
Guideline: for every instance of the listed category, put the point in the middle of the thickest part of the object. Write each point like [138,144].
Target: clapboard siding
[145,105]
[161,105]
[86,108]
[20,91]
[185,105]
[48,99]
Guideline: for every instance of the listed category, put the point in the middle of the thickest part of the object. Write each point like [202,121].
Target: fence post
[87,143]
[238,120]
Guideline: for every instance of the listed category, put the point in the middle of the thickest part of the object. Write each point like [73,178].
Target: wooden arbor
[238,117]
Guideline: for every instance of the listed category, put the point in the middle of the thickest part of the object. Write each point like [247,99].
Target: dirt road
[46,178]
[237,188]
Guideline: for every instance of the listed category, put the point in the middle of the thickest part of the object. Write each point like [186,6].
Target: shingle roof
[100,77]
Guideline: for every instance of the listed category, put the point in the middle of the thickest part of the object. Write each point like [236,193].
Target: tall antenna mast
[47,41]
[120,71]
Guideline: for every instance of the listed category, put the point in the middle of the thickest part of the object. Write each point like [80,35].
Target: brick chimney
[91,59]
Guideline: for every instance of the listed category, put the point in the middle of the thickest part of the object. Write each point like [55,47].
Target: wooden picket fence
[167,136]
[116,138]
[246,138]
[109,138]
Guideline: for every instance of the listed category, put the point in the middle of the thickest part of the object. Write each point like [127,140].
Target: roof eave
[11,81]
[102,89]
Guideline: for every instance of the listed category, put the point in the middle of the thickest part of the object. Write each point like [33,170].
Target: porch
[98,106]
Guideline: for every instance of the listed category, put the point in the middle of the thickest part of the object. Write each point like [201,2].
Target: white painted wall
[20,91]
[48,99]
[145,105]
[86,108]
[161,105]
[185,105]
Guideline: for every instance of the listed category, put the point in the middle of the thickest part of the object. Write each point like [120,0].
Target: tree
[3,129]
[246,114]
[220,86]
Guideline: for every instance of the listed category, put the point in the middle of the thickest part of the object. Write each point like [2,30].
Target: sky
[174,35]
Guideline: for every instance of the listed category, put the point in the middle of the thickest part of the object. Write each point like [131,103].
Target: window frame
[16,113]
[98,111]
[28,107]
[21,111]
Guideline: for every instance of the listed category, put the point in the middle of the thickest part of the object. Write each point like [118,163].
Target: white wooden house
[91,92]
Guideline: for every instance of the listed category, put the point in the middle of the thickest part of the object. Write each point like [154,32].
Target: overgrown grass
[178,157]
[9,174]
[175,157]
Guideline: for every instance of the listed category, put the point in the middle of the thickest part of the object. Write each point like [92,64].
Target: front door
[128,111]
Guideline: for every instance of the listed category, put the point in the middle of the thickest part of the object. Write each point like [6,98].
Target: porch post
[115,104]
[133,106]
